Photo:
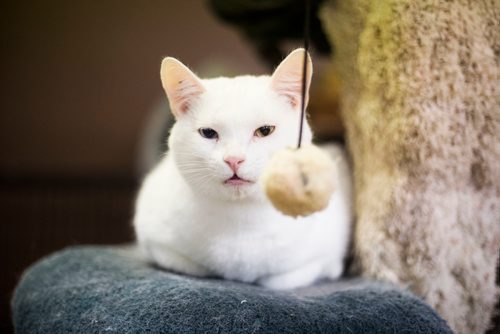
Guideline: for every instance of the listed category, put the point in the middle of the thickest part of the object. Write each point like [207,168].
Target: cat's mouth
[235,180]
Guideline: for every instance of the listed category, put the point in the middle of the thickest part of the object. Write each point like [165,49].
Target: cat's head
[227,128]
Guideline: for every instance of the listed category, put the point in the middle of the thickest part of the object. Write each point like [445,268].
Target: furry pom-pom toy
[299,182]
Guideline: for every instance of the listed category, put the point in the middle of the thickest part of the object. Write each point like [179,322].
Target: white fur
[189,221]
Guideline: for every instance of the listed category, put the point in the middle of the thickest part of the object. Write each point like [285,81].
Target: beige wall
[79,77]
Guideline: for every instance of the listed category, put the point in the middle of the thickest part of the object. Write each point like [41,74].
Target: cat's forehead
[240,99]
[244,88]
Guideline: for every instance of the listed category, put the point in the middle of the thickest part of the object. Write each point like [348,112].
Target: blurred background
[83,112]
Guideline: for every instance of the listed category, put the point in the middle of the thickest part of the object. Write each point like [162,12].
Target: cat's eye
[264,131]
[208,133]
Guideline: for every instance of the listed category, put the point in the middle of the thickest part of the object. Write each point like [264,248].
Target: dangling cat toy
[300,181]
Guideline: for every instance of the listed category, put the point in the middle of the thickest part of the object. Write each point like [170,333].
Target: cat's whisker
[190,154]
[187,161]
[193,166]
[202,182]
[192,163]
[204,185]
[197,170]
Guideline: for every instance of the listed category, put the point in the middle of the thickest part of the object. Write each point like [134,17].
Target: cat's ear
[182,86]
[287,78]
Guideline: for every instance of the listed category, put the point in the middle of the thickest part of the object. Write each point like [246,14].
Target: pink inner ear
[289,87]
[292,99]
[184,107]
[184,94]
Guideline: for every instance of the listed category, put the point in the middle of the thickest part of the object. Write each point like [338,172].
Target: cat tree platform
[110,290]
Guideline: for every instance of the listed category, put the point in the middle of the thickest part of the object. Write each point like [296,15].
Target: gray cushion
[110,290]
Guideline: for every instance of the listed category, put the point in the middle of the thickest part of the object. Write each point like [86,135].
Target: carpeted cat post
[421,107]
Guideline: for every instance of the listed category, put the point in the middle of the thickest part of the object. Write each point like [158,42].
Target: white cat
[202,212]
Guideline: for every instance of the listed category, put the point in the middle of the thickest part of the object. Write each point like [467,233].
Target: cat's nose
[234,162]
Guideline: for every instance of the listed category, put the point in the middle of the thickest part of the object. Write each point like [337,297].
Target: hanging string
[304,69]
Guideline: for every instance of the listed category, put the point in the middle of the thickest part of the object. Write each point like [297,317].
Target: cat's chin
[237,191]
[240,192]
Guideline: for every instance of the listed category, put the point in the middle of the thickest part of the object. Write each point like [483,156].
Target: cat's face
[227,129]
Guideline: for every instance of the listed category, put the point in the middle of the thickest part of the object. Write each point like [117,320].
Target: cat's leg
[298,277]
[168,258]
